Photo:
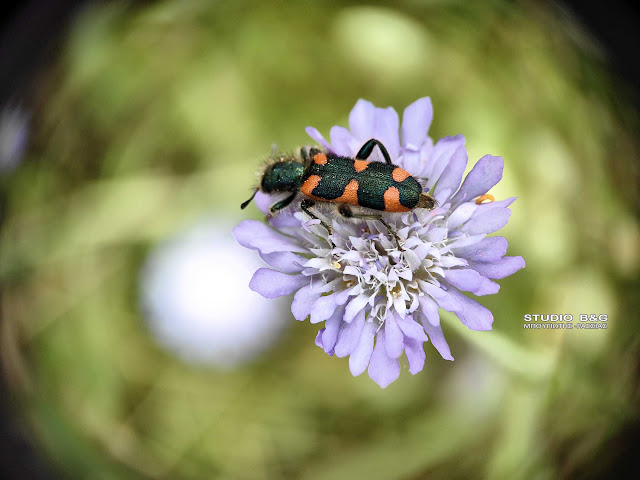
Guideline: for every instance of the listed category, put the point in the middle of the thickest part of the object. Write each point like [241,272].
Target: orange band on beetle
[350,194]
[309,185]
[399,174]
[392,201]
[320,159]
[360,165]
[486,196]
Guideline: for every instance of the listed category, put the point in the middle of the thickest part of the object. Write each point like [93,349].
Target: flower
[14,129]
[377,300]
[192,294]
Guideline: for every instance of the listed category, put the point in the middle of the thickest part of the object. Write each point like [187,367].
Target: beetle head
[282,176]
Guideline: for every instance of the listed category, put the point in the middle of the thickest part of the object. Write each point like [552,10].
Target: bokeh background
[130,345]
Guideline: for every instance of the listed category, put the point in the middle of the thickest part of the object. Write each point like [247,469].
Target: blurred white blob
[14,123]
[195,294]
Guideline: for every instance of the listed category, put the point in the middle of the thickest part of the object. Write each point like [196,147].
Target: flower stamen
[486,196]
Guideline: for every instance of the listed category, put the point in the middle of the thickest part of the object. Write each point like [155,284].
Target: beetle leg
[368,147]
[392,232]
[282,203]
[305,205]
[304,155]
[313,152]
[346,212]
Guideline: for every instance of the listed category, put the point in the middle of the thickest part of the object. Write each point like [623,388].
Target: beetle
[323,176]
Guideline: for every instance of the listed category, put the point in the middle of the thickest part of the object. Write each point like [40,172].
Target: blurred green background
[157,114]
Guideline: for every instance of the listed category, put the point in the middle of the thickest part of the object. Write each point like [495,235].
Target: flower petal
[323,308]
[272,284]
[354,306]
[430,309]
[416,120]
[452,173]
[440,157]
[343,142]
[258,236]
[393,337]
[343,296]
[466,279]
[349,336]
[412,329]
[414,350]
[487,250]
[436,234]
[362,119]
[437,339]
[472,314]
[466,240]
[484,175]
[286,262]
[400,305]
[442,297]
[383,369]
[461,215]
[499,269]
[303,302]
[386,130]
[442,196]
[359,359]
[331,329]
[263,201]
[488,222]
[282,221]
[412,163]
[488,287]
[317,136]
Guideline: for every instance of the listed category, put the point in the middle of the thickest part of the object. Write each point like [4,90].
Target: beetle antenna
[244,204]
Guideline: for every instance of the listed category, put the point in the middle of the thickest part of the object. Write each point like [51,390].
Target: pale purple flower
[378,301]
[14,128]
[192,291]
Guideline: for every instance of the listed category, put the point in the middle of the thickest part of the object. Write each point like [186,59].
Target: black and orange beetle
[327,177]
